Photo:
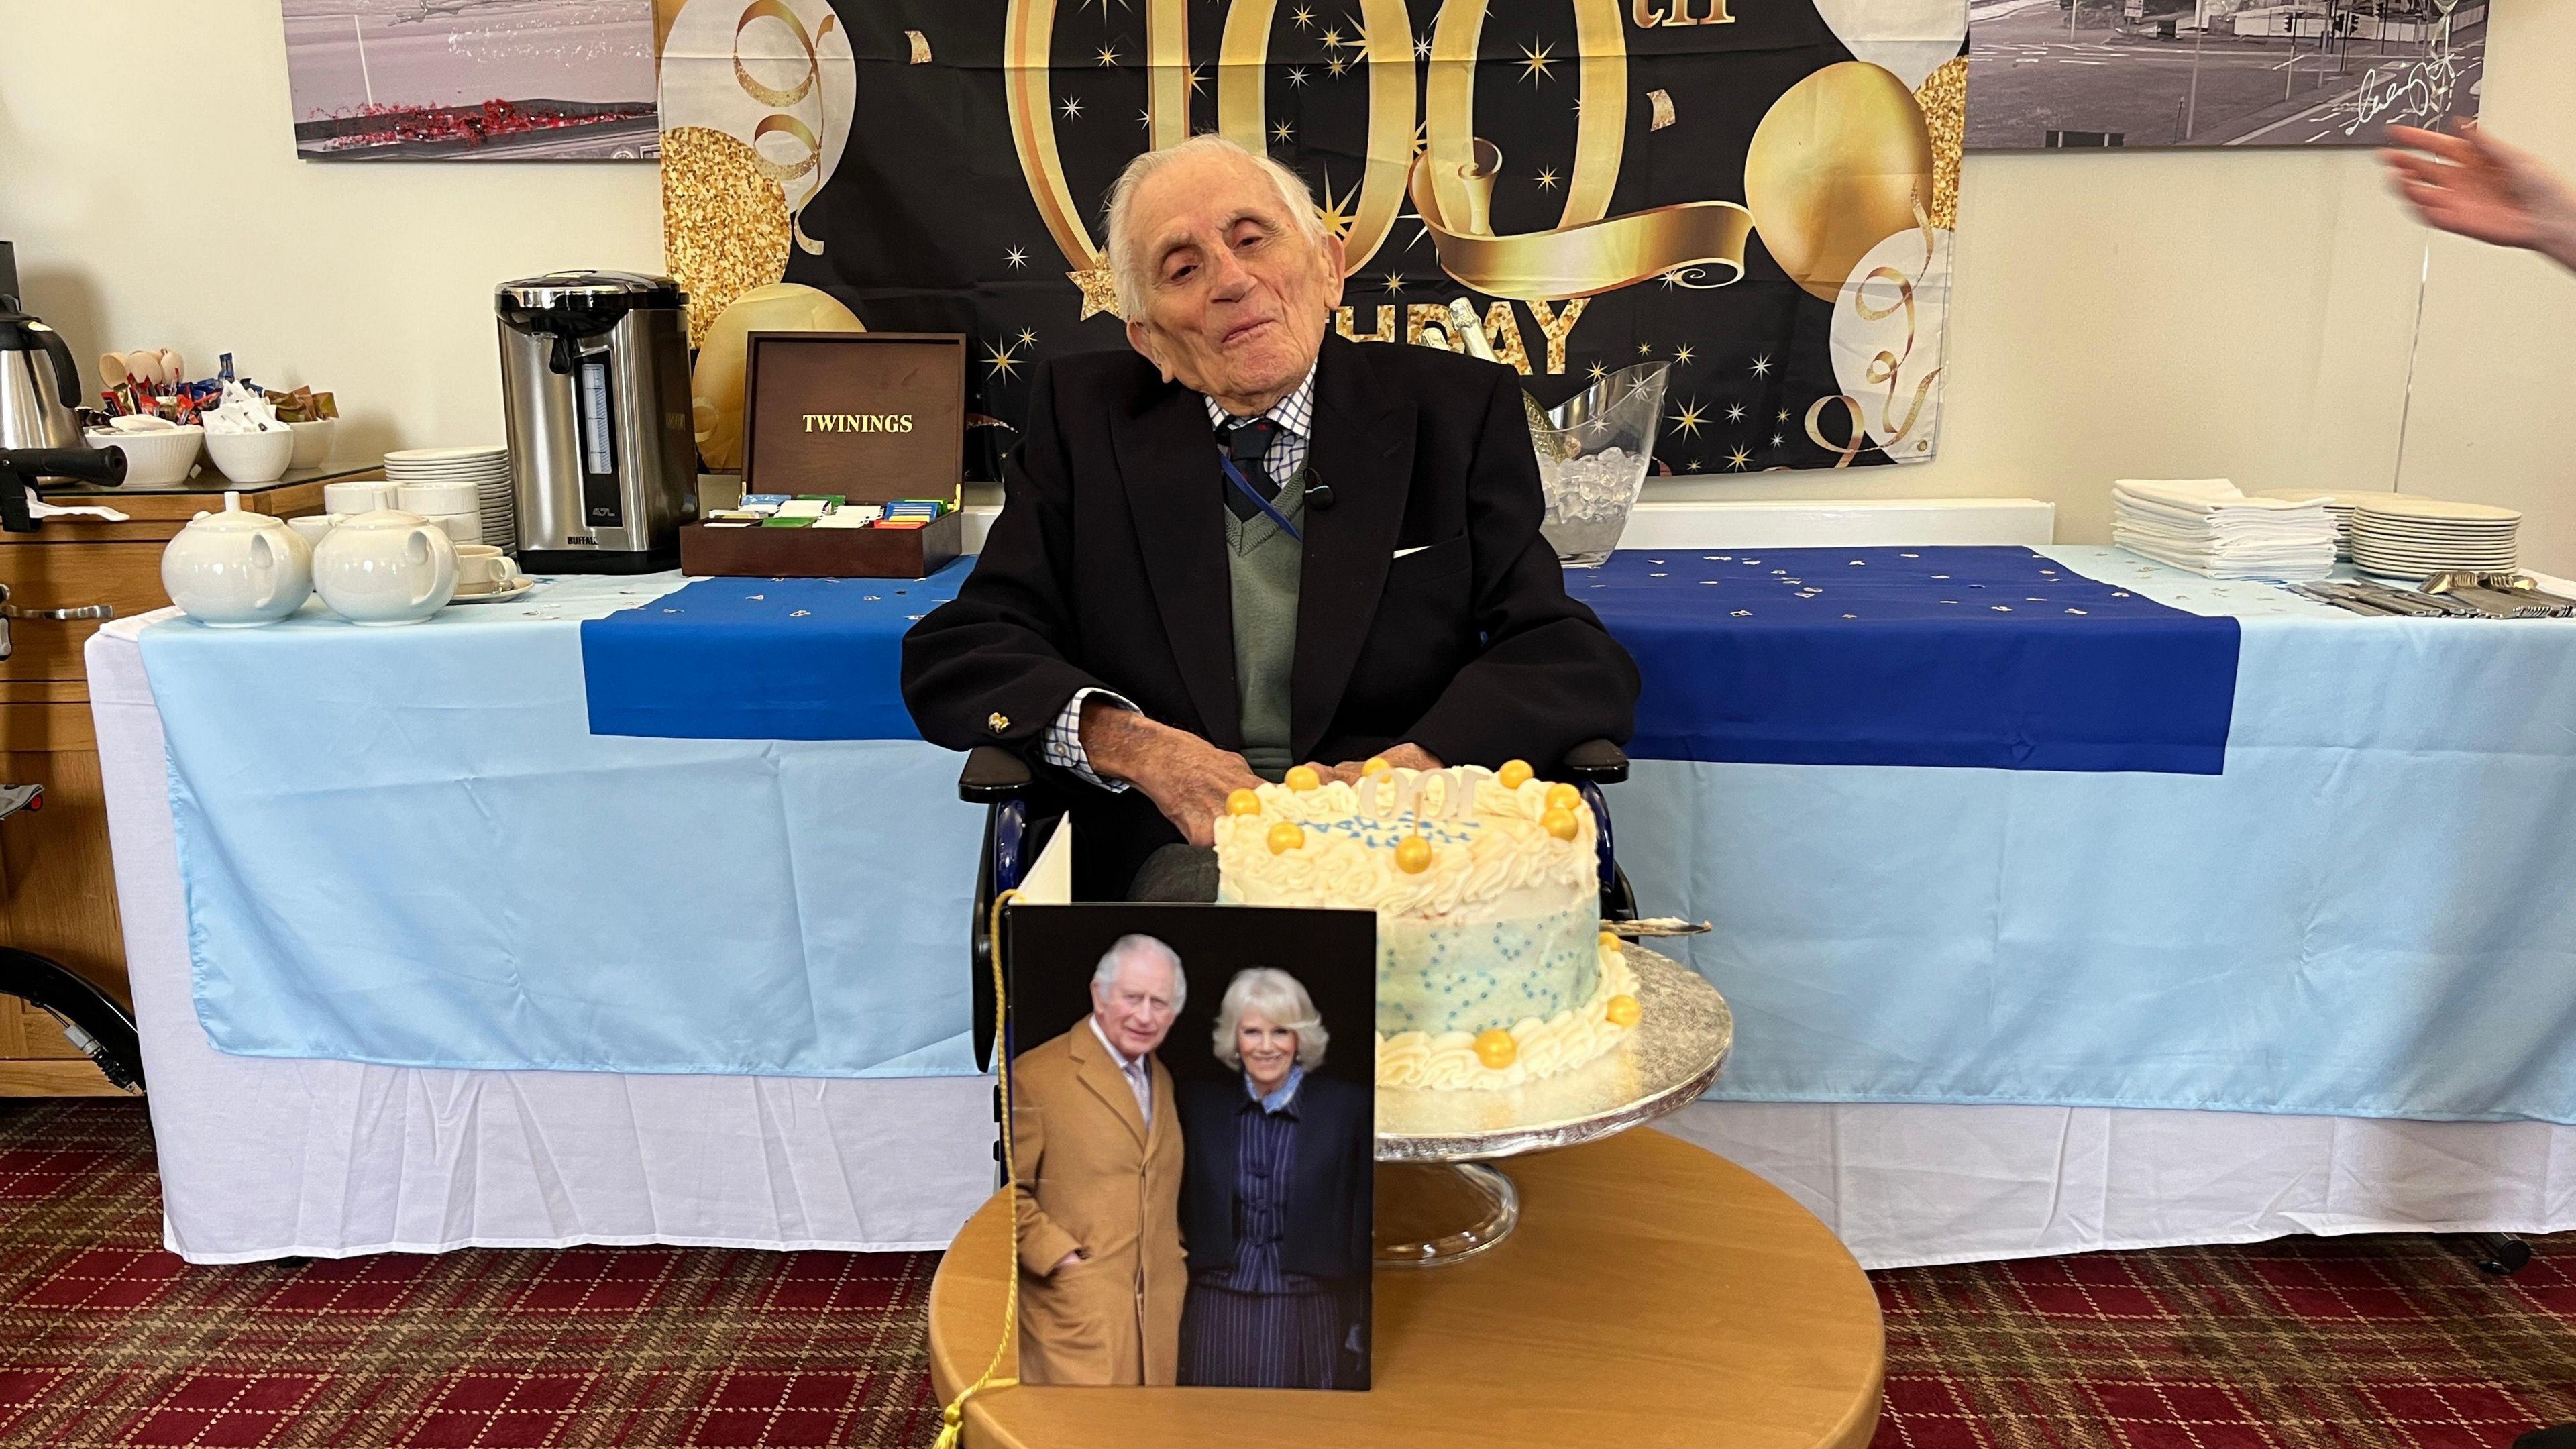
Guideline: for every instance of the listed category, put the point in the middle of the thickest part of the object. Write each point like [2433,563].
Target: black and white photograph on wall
[473,80]
[2086,74]
[1193,1122]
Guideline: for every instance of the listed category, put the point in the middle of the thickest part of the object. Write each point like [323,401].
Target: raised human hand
[2476,186]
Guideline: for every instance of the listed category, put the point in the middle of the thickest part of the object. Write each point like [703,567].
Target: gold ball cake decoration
[1413,855]
[1375,765]
[1622,1011]
[1563,797]
[1285,837]
[1496,1049]
[1514,774]
[725,225]
[1242,802]
[1303,778]
[1943,97]
[1560,823]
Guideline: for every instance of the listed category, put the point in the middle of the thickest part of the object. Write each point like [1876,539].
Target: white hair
[1127,269]
[1280,998]
[1105,976]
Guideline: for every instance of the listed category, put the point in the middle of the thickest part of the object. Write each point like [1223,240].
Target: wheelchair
[90,1017]
[1021,813]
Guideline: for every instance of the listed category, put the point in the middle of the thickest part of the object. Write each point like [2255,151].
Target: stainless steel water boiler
[595,382]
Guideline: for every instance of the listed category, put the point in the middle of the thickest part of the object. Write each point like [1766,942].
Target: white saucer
[519,589]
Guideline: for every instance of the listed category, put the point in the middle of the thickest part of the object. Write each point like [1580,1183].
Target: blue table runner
[761,659]
[1992,657]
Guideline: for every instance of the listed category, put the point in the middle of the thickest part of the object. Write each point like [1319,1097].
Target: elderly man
[1249,544]
[1097,1162]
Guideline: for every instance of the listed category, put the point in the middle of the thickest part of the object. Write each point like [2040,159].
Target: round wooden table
[1655,1294]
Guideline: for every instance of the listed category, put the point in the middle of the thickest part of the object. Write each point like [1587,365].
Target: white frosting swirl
[1448,1061]
[1494,846]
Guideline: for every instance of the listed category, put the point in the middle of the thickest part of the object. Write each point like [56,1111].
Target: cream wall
[2246,314]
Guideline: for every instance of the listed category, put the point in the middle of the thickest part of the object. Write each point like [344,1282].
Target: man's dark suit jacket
[1107,568]
[1326,1229]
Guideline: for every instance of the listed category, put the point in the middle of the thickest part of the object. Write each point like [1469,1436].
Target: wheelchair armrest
[993,775]
[1598,762]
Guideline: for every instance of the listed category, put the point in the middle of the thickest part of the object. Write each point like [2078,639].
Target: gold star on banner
[1108,55]
[1145,118]
[1682,356]
[1599,372]
[1028,338]
[1688,419]
[1735,413]
[1775,440]
[1099,291]
[1016,257]
[1280,133]
[1737,459]
[1002,360]
[1336,220]
[1422,48]
[1335,67]
[1644,351]
[1072,108]
[1672,277]
[1781,416]
[1535,61]
[1546,178]
[1304,17]
[1762,366]
[1394,282]
[1332,40]
[1297,77]
[1198,82]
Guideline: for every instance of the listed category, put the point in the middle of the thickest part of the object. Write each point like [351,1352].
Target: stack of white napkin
[2207,526]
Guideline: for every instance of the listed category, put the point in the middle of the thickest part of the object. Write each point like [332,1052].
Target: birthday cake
[1492,969]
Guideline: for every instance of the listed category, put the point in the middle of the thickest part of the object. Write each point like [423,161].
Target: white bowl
[312,443]
[433,498]
[161,459]
[251,457]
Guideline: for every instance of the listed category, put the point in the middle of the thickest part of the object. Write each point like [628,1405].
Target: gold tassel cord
[952,1419]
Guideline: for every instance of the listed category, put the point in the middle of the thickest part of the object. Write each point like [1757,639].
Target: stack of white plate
[2401,536]
[2341,505]
[470,485]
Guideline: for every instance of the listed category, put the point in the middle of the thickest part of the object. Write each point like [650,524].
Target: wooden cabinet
[57,886]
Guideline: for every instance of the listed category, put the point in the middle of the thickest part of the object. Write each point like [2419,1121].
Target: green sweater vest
[1263,564]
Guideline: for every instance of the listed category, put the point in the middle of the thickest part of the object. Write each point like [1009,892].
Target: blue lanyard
[1234,475]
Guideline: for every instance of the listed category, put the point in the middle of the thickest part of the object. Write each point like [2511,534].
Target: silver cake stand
[1432,1146]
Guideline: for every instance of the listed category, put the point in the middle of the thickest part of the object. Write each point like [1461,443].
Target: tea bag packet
[242,411]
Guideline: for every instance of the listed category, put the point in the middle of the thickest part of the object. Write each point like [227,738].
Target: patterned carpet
[107,1340]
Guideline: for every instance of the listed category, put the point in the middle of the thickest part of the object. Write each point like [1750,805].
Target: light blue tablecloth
[386,837]
[405,845]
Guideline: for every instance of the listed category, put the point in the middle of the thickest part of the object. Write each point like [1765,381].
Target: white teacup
[482,569]
[314,526]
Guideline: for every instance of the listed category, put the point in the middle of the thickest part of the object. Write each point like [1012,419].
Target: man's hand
[2479,187]
[1186,777]
[1403,757]
[1067,1261]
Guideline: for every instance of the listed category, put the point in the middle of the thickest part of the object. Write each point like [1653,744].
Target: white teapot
[237,568]
[386,567]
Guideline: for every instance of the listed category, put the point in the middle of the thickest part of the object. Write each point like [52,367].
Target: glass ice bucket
[1593,453]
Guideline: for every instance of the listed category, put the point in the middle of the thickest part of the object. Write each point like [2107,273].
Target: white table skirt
[265,1158]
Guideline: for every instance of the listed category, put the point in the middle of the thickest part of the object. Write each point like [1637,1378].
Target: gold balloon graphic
[715,387]
[1840,164]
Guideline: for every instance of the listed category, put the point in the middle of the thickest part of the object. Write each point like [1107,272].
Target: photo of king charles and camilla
[1193,1153]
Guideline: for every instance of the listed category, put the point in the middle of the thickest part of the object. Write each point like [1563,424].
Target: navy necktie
[1246,442]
